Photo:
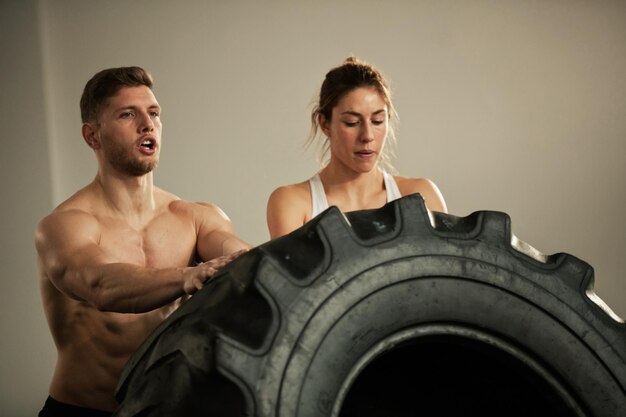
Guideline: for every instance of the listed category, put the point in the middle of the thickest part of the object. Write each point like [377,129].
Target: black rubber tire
[293,327]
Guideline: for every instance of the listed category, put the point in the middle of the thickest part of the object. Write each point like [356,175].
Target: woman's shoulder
[424,186]
[288,208]
[408,185]
[299,191]
[292,198]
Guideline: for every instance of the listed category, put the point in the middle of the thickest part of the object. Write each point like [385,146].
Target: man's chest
[162,243]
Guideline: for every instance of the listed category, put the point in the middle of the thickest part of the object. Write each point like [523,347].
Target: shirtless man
[116,258]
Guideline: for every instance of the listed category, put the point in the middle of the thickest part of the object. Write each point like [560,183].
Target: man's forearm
[127,288]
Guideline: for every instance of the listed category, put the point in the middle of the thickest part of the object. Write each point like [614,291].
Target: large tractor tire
[389,312]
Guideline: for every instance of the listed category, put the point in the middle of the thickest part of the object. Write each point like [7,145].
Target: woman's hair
[339,81]
[107,83]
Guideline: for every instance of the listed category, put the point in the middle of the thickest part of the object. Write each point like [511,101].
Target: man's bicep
[216,236]
[219,243]
[67,248]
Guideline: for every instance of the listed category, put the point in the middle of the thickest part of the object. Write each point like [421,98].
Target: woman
[354,113]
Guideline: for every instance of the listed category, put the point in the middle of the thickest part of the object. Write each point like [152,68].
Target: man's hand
[195,277]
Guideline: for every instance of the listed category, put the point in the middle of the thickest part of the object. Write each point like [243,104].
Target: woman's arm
[430,192]
[288,208]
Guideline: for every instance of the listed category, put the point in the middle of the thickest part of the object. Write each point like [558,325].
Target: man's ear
[324,124]
[90,134]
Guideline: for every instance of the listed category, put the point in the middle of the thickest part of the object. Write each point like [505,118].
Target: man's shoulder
[78,206]
[78,212]
[200,211]
[67,216]
[66,224]
[82,202]
[187,205]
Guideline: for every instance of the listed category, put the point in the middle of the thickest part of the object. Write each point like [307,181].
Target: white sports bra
[318,196]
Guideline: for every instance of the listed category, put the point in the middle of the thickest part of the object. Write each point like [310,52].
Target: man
[116,257]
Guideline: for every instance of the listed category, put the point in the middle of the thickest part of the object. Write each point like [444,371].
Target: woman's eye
[350,123]
[378,122]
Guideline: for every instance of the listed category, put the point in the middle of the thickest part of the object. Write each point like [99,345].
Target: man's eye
[154,114]
[126,115]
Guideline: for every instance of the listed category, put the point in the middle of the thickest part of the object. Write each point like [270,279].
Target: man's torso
[94,346]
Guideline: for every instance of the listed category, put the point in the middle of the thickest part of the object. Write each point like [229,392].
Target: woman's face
[357,129]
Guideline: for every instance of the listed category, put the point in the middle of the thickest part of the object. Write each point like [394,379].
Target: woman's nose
[367,133]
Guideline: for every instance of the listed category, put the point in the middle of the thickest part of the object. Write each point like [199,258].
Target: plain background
[517,106]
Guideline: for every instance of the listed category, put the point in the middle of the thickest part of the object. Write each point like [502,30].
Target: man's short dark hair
[107,83]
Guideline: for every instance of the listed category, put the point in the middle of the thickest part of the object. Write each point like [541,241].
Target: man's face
[129,129]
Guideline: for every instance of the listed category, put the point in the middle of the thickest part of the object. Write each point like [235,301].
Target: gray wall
[518,106]
[27,353]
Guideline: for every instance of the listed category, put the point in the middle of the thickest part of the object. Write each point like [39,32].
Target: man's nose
[146,123]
